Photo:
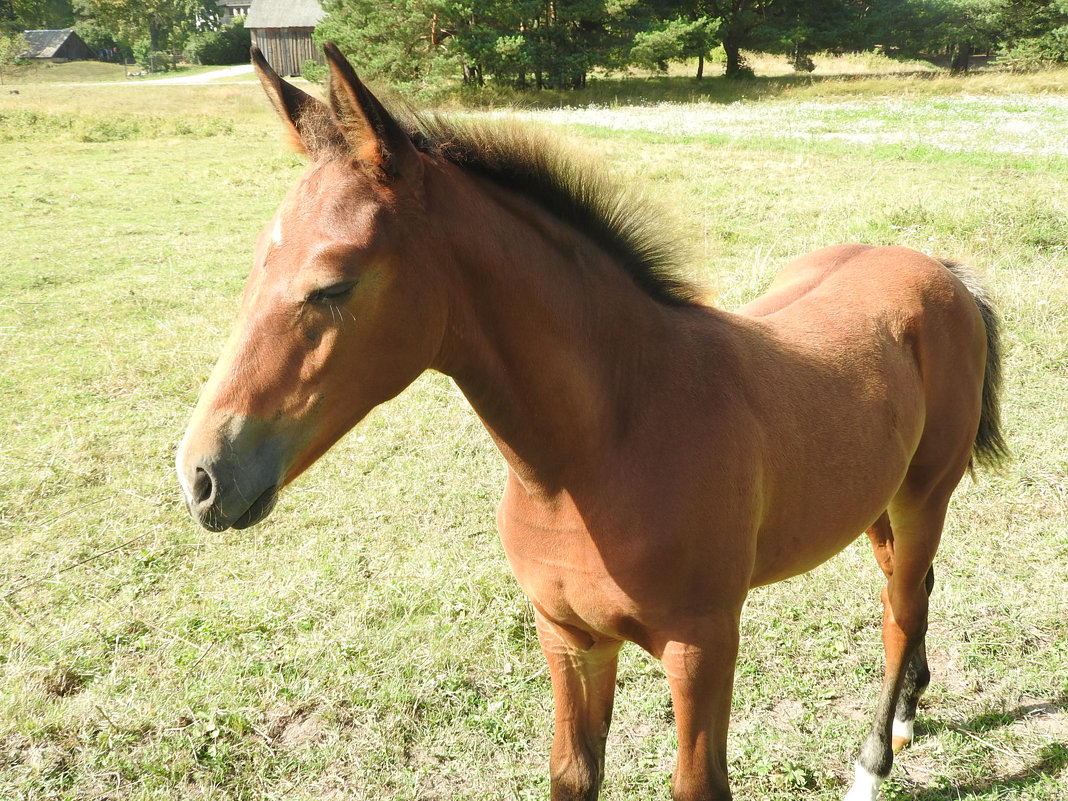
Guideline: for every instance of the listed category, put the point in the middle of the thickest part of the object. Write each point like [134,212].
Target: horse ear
[377,139]
[312,130]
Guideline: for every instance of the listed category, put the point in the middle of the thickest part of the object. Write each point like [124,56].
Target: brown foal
[664,456]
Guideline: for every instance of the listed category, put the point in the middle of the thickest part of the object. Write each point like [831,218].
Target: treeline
[137,29]
[556,43]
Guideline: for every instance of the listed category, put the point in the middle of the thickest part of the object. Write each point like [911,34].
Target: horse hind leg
[904,539]
[918,673]
[917,678]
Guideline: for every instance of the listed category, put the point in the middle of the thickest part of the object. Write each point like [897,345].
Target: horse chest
[571,579]
[564,576]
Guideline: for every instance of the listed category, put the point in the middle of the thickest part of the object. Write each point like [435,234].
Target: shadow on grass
[1052,758]
[631,90]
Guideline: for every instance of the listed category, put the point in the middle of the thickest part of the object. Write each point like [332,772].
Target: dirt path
[204,77]
[236,74]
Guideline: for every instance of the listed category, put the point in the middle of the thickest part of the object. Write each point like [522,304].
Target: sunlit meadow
[367,641]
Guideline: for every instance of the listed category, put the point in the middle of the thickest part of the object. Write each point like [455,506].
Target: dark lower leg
[904,626]
[917,677]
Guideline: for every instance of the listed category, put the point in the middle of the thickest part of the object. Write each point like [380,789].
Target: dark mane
[519,160]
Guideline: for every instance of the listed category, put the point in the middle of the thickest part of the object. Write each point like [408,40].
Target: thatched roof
[63,43]
[284,14]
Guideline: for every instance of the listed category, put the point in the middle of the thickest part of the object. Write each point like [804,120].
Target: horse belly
[788,551]
[837,475]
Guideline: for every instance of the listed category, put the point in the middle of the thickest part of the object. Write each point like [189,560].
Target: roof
[284,14]
[44,44]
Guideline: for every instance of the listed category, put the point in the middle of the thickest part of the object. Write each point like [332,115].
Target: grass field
[367,641]
[34,73]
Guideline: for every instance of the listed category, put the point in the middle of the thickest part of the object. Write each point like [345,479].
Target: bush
[110,130]
[151,60]
[312,71]
[1037,52]
[227,45]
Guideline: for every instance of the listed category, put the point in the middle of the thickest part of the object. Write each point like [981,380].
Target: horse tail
[989,448]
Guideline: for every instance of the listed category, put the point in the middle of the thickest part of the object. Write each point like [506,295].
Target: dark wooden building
[61,45]
[282,29]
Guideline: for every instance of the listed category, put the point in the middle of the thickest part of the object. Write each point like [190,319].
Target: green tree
[12,45]
[43,14]
[490,38]
[100,38]
[8,20]
[738,20]
[226,45]
[159,23]
[957,28]
[677,39]
[1034,31]
[800,28]
[544,43]
[395,41]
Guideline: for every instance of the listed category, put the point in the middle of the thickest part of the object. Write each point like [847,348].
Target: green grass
[36,73]
[44,72]
[367,641]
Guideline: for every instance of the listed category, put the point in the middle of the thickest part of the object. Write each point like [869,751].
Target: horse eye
[332,293]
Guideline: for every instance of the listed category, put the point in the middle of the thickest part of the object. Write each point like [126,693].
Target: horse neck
[547,337]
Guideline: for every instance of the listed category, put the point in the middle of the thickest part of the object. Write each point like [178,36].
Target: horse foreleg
[905,544]
[700,670]
[584,682]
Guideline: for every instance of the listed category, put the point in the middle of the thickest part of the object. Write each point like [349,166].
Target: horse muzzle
[230,472]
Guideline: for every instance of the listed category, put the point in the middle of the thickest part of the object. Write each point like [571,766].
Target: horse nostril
[202,486]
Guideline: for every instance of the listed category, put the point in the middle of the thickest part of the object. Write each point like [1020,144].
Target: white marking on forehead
[276,234]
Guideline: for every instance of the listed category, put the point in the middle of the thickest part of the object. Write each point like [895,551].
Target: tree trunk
[962,53]
[801,60]
[700,66]
[736,67]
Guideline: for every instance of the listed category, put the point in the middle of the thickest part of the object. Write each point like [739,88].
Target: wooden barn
[282,29]
[61,45]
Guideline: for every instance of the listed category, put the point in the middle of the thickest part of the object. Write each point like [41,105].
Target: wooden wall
[286,48]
